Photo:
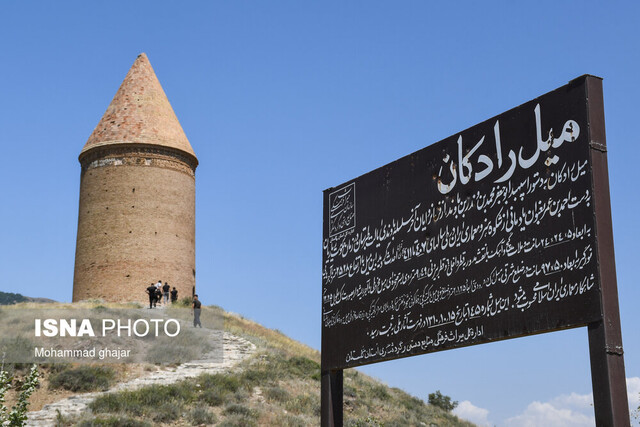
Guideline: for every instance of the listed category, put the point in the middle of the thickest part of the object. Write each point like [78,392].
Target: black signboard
[486,235]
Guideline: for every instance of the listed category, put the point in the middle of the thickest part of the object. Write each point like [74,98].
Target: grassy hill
[278,385]
[295,399]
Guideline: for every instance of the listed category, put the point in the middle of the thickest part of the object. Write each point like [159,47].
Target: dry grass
[279,385]
[265,337]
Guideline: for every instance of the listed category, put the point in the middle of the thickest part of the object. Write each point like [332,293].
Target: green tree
[8,298]
[442,401]
[18,414]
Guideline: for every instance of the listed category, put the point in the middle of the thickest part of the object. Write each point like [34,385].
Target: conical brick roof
[139,113]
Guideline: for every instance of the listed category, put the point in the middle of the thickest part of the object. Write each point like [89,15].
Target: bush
[212,397]
[238,421]
[113,422]
[199,416]
[364,422]
[83,378]
[225,382]
[290,420]
[155,401]
[306,404]
[117,402]
[274,367]
[239,416]
[260,374]
[299,366]
[167,412]
[238,409]
[276,394]
[442,401]
[215,389]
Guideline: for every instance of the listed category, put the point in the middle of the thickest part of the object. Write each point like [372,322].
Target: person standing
[151,290]
[158,295]
[174,295]
[165,291]
[196,311]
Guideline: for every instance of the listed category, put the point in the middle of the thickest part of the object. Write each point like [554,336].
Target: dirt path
[235,349]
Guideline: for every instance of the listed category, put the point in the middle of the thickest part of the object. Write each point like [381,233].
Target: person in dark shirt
[151,290]
[196,311]
[158,296]
[174,295]
[165,291]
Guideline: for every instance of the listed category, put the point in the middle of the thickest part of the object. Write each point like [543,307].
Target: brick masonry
[139,113]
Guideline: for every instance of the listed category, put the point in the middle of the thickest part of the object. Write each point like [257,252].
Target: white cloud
[468,411]
[574,401]
[633,391]
[572,410]
[546,414]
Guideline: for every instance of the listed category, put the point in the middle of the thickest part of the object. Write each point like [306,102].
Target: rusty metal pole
[331,399]
[605,337]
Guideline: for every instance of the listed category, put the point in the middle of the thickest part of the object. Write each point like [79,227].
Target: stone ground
[235,349]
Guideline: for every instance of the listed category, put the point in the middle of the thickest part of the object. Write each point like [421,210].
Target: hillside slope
[293,397]
[277,385]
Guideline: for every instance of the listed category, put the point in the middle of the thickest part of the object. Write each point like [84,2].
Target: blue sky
[281,100]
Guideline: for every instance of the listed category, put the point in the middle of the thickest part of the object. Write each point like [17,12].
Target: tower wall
[136,222]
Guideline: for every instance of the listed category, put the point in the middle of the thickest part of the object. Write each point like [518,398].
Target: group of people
[157,291]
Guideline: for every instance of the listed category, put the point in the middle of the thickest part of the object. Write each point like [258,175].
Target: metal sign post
[605,337]
[331,399]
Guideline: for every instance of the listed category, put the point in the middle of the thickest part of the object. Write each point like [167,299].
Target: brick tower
[136,222]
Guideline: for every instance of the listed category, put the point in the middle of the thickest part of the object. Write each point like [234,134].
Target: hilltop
[274,382]
[8,298]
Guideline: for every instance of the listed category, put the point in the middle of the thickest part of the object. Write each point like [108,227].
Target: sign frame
[605,340]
